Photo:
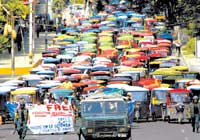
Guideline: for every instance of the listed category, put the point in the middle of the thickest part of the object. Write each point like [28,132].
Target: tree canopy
[7,6]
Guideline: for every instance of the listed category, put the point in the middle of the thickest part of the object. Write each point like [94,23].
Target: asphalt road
[140,131]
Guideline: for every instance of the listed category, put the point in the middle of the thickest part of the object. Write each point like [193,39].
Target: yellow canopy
[28,90]
[180,68]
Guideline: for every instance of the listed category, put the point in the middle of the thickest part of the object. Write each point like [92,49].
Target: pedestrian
[195,113]
[178,48]
[19,39]
[65,23]
[38,30]
[21,120]
[47,98]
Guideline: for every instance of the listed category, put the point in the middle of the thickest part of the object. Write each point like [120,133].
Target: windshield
[179,97]
[104,108]
[114,107]
[92,108]
[160,95]
[139,95]
[25,97]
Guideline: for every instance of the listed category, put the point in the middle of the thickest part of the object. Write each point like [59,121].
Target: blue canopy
[94,30]
[166,36]
[46,72]
[120,79]
[51,60]
[66,92]
[100,68]
[108,91]
[48,85]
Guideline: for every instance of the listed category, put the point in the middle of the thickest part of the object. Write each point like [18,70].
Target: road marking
[61,138]
[182,130]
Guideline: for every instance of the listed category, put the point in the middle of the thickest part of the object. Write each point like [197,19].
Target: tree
[58,4]
[18,9]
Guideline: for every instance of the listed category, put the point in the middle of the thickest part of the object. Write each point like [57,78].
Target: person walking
[21,119]
[178,48]
[38,30]
[19,39]
[195,113]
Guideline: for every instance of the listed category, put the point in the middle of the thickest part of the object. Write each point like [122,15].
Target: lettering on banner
[59,107]
[51,118]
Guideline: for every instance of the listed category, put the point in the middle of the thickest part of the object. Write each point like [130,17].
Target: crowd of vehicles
[118,59]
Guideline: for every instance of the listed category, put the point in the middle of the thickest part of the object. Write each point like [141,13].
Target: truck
[104,116]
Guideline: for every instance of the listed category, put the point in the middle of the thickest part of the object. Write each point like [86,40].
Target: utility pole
[12,46]
[31,32]
[33,28]
[46,22]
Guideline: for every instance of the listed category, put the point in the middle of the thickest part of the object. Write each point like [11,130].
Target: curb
[19,70]
[185,59]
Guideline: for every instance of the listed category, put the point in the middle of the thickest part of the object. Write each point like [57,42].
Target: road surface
[140,131]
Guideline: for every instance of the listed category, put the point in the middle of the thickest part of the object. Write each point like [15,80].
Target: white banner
[47,119]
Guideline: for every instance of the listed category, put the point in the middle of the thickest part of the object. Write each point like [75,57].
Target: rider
[195,113]
[21,119]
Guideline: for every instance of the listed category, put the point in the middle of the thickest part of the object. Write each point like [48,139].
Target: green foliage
[16,6]
[77,1]
[189,48]
[58,4]
[3,42]
[18,9]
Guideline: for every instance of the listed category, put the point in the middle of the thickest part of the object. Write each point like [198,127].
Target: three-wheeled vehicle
[28,94]
[60,93]
[31,80]
[104,116]
[195,90]
[178,105]
[158,102]
[4,97]
[142,101]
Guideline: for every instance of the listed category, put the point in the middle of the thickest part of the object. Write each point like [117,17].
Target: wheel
[153,118]
[129,136]
[168,119]
[147,118]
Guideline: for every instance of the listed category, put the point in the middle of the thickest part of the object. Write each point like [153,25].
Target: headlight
[122,129]
[90,130]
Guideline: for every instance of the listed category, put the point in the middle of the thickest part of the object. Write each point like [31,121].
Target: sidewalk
[191,62]
[22,58]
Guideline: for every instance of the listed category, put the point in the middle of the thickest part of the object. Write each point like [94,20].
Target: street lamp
[46,40]
[31,32]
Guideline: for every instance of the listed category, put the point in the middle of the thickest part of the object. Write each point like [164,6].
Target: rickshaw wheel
[168,119]
[130,136]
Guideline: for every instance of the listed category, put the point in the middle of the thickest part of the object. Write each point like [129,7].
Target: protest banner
[51,118]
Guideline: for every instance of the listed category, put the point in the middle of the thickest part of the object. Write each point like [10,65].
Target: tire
[147,118]
[168,119]
[130,136]
[153,118]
